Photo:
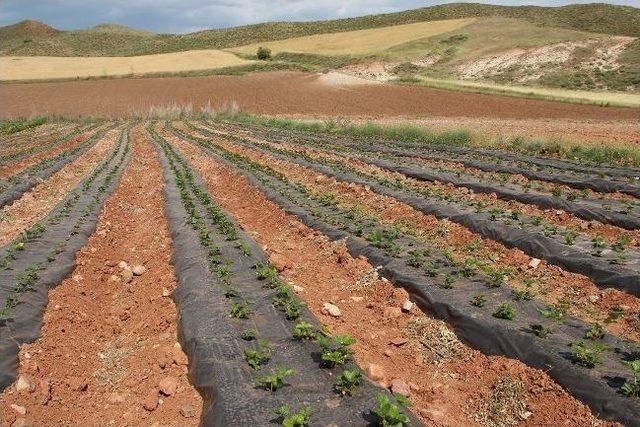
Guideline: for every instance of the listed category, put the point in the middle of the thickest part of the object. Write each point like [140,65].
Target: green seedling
[249,335]
[595,331]
[448,282]
[240,310]
[304,331]
[417,258]
[478,300]
[540,330]
[631,387]
[385,239]
[505,311]
[259,354]
[335,351]
[274,381]
[587,355]
[269,274]
[388,414]
[523,295]
[621,244]
[554,312]
[614,315]
[570,237]
[297,419]
[347,382]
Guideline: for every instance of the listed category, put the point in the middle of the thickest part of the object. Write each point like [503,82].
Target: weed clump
[263,53]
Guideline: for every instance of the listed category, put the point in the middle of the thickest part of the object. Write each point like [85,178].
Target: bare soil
[108,354]
[452,388]
[287,93]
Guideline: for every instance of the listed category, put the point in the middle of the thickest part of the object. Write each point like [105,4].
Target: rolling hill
[30,38]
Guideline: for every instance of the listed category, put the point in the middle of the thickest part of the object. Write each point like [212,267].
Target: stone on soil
[331,310]
[399,386]
[24,383]
[168,386]
[138,270]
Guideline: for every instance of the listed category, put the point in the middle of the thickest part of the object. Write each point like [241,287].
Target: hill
[30,38]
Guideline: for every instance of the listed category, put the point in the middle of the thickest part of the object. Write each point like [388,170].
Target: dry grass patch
[361,41]
[43,67]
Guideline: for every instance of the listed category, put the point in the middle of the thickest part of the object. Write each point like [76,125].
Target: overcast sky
[182,16]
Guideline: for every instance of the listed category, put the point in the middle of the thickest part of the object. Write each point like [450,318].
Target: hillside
[30,38]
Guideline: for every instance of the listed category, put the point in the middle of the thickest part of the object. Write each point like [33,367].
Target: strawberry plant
[554,312]
[335,351]
[304,331]
[249,335]
[595,331]
[240,310]
[631,388]
[505,311]
[587,355]
[274,381]
[297,419]
[348,381]
[478,300]
[259,354]
[388,414]
[540,330]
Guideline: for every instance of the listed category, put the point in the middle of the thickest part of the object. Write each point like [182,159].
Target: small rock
[593,298]
[22,422]
[399,386]
[114,278]
[77,384]
[399,341]
[357,299]
[375,372]
[534,263]
[111,263]
[19,409]
[388,353]
[331,310]
[187,411]
[525,415]
[179,358]
[123,264]
[392,312]
[127,275]
[166,292]
[24,383]
[319,179]
[115,398]
[45,392]
[138,270]
[150,402]
[407,306]
[297,289]
[168,386]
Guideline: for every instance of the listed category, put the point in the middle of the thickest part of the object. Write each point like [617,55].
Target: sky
[183,16]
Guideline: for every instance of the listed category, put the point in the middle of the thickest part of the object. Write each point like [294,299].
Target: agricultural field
[231,269]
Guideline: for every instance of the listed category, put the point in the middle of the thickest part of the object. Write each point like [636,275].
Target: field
[48,68]
[359,42]
[218,268]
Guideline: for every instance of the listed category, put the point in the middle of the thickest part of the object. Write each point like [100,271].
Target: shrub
[263,53]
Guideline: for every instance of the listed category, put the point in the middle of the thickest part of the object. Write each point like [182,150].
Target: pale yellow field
[43,67]
[616,99]
[361,41]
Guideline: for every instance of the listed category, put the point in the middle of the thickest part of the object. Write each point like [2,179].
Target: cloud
[181,16]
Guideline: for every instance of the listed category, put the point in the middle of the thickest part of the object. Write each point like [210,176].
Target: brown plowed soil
[451,389]
[21,165]
[287,93]
[108,348]
[37,202]
[553,284]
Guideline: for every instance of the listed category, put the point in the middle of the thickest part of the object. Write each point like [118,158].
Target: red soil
[106,345]
[290,93]
[449,392]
